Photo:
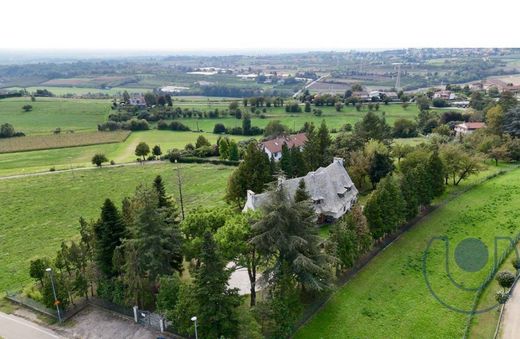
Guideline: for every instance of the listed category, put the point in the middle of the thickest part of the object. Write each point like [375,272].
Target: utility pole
[180,189]
[56,301]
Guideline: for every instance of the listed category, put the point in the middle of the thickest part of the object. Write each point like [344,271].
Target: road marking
[25,323]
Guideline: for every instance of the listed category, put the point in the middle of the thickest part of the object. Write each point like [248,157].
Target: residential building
[273,147]
[330,188]
[468,127]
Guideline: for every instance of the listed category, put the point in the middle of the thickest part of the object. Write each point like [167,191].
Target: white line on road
[27,324]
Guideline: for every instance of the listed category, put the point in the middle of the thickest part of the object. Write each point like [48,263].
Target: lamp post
[194,319]
[56,302]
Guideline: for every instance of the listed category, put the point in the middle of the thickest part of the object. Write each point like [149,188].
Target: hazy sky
[256,25]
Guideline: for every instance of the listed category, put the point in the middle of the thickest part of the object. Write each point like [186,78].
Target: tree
[458,163]
[287,234]
[109,231]
[252,174]
[233,151]
[6,130]
[286,164]
[168,295]
[27,108]
[126,97]
[216,302]
[156,150]
[233,240]
[372,127]
[385,208]
[349,238]
[202,141]
[37,269]
[507,100]
[219,128]
[142,150]
[400,151]
[380,166]
[511,124]
[150,99]
[437,174]
[505,279]
[223,148]
[404,128]
[275,129]
[495,119]
[423,103]
[316,148]
[301,192]
[246,124]
[98,159]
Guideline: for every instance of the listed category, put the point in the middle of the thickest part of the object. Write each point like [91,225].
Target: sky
[255,26]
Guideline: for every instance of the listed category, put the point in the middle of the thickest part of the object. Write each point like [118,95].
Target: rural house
[273,147]
[468,127]
[332,191]
[138,101]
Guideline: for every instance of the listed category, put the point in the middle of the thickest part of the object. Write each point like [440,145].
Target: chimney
[340,161]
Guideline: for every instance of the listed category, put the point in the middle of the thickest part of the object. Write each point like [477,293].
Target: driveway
[511,316]
[13,327]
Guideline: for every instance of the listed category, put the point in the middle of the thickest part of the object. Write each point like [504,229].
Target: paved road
[511,316]
[13,327]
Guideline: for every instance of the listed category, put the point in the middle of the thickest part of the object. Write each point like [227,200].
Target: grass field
[34,224]
[50,113]
[62,140]
[389,297]
[64,158]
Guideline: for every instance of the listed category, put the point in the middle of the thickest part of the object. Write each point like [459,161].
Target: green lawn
[296,120]
[50,113]
[37,213]
[389,297]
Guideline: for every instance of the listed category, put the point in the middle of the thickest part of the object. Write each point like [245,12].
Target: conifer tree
[216,302]
[301,192]
[109,231]
[286,161]
[437,174]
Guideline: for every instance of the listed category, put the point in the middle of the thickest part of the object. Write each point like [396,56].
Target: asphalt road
[13,327]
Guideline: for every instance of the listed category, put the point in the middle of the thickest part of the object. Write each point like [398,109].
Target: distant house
[446,95]
[362,95]
[330,188]
[468,127]
[273,147]
[137,101]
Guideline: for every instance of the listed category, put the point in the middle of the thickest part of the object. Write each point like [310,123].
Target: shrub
[219,128]
[516,263]
[502,297]
[505,279]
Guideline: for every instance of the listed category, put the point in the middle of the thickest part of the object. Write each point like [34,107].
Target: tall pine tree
[216,302]
[109,232]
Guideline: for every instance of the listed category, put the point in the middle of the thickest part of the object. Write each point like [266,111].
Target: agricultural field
[76,157]
[60,91]
[62,140]
[50,113]
[389,297]
[33,225]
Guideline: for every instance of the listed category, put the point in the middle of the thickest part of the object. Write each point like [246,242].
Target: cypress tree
[109,231]
[298,163]
[437,174]
[286,161]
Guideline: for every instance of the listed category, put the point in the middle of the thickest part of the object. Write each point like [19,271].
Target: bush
[502,297]
[235,131]
[195,160]
[505,279]
[178,126]
[516,263]
[438,102]
[52,169]
[219,128]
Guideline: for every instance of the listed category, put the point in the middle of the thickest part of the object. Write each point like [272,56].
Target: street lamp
[56,302]
[194,319]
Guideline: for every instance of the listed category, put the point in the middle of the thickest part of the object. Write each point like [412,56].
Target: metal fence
[144,318]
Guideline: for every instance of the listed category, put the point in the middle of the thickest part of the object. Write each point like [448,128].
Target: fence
[144,318]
